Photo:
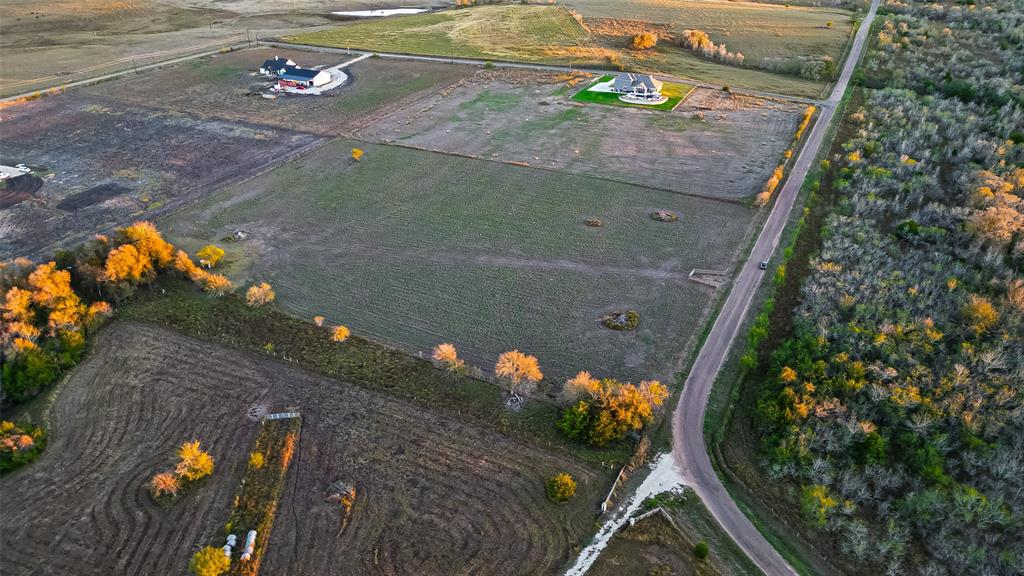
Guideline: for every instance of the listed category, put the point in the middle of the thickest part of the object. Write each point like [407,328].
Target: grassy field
[498,32]
[551,35]
[674,91]
[224,87]
[439,493]
[713,144]
[416,248]
[654,544]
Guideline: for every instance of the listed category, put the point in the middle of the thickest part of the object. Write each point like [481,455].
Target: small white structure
[250,545]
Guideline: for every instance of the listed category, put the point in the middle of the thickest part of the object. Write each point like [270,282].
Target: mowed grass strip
[497,32]
[674,91]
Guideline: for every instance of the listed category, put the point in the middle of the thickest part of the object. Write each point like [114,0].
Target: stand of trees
[898,403]
[50,309]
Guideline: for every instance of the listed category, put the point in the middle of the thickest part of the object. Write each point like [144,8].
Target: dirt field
[729,153]
[225,86]
[435,495]
[47,42]
[416,248]
[105,163]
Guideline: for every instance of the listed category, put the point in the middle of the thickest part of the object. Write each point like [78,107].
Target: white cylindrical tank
[232,539]
[227,551]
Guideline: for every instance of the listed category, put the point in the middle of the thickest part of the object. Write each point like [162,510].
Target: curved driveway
[689,448]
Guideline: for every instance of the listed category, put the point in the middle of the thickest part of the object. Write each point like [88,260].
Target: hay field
[104,164]
[436,494]
[225,86]
[500,32]
[757,30]
[729,153]
[415,248]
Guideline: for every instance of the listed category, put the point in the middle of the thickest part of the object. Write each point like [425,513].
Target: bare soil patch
[729,153]
[437,495]
[109,163]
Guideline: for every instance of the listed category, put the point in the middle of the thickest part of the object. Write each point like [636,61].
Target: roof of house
[276,63]
[296,73]
[633,81]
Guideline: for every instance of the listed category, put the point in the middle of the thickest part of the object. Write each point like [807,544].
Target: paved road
[688,424]
[522,65]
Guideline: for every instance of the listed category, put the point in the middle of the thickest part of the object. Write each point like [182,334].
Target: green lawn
[674,91]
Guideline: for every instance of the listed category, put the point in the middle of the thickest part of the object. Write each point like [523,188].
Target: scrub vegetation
[895,402]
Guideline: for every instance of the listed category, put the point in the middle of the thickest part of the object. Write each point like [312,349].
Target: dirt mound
[93,195]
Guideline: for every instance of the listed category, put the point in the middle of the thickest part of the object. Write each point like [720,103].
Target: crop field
[729,153]
[436,495]
[498,32]
[415,248]
[226,86]
[103,164]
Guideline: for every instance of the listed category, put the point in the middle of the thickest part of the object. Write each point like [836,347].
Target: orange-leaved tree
[52,291]
[260,294]
[519,372]
[447,355]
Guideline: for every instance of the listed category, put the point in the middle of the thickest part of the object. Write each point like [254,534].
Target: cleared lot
[104,164]
[227,87]
[435,495]
[416,248]
[713,144]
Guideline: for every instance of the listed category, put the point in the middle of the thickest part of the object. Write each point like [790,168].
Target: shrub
[256,460]
[18,445]
[211,254]
[624,321]
[701,550]
[644,40]
[28,372]
[209,561]
[357,154]
[194,462]
[260,294]
[340,333]
[164,484]
[561,487]
[575,421]
[448,356]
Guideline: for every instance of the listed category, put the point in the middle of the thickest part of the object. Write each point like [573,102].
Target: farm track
[435,495]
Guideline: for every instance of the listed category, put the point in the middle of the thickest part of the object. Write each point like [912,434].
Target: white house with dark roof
[275,66]
[642,86]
